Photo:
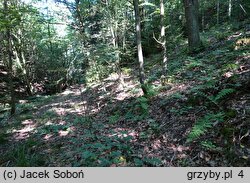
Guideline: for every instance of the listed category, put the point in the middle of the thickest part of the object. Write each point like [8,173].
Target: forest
[124,83]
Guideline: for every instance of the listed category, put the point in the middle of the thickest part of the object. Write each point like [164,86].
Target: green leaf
[88,154]
[138,162]
[203,124]
[223,93]
[153,161]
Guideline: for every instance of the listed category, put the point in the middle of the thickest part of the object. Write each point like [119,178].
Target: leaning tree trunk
[191,14]
[139,46]
[10,63]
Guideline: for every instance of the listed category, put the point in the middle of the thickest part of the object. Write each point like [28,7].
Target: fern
[203,124]
[223,93]
[216,99]
[208,145]
[142,104]
[209,84]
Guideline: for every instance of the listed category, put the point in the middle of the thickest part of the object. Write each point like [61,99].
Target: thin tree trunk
[26,75]
[117,56]
[124,30]
[218,12]
[229,9]
[21,61]
[10,63]
[49,32]
[139,46]
[203,18]
[163,39]
[113,31]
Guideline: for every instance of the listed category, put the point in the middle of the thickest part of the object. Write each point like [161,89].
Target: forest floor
[200,117]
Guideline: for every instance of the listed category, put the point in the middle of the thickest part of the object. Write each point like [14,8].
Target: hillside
[199,115]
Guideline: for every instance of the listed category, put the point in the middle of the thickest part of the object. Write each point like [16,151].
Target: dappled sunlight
[23,101]
[156,144]
[179,148]
[121,96]
[49,122]
[177,87]
[109,94]
[68,92]
[112,77]
[47,137]
[49,106]
[123,133]
[234,36]
[75,90]
[63,133]
[60,111]
[24,132]
[228,74]
[240,67]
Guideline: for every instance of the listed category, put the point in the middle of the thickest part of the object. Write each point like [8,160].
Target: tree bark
[191,14]
[139,46]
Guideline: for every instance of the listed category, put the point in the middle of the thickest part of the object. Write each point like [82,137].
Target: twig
[170,163]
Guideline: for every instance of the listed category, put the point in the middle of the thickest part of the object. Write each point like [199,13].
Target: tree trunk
[203,18]
[163,39]
[139,46]
[229,9]
[218,12]
[10,63]
[113,31]
[18,51]
[191,14]
[124,30]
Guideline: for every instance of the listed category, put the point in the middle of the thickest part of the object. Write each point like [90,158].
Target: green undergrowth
[114,150]
[24,155]
[212,79]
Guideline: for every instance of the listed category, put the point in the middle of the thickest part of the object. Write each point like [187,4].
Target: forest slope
[200,117]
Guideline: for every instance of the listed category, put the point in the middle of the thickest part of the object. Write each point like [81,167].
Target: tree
[192,23]
[114,12]
[162,40]
[218,12]
[139,46]
[9,51]
[229,9]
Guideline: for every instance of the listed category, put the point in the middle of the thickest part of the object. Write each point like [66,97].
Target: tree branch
[156,39]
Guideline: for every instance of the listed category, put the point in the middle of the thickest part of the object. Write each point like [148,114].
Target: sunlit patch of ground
[28,126]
